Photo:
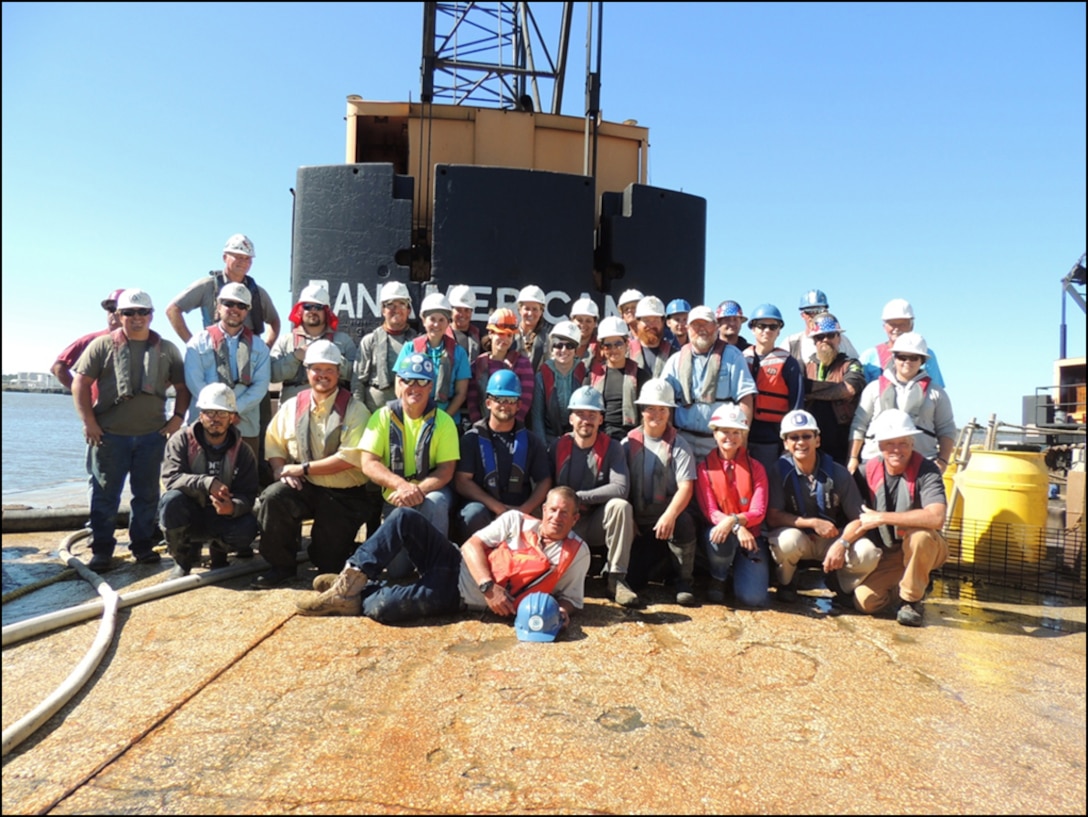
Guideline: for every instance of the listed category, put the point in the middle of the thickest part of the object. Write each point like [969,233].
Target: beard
[826,355]
[702,345]
[649,336]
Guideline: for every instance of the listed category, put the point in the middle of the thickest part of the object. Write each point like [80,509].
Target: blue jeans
[435,508]
[436,558]
[751,570]
[139,458]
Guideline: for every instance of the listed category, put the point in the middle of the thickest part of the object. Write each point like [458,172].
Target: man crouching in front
[513,556]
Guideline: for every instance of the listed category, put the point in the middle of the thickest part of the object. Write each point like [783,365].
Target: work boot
[244,552]
[343,598]
[786,594]
[621,591]
[101,563]
[181,551]
[910,614]
[715,591]
[684,596]
[218,555]
[324,581]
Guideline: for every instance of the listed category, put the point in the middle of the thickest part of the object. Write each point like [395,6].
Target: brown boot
[621,591]
[324,581]
[343,598]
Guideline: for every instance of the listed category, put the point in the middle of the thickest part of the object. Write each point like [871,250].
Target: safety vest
[443,382]
[482,371]
[122,365]
[221,350]
[835,373]
[888,394]
[517,480]
[564,447]
[469,341]
[708,393]
[597,373]
[733,497]
[884,354]
[384,357]
[772,391]
[397,437]
[635,352]
[303,401]
[527,569]
[828,501]
[636,450]
[906,495]
[198,456]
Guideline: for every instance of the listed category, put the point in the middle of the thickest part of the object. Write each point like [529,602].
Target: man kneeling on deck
[499,565]
[907,499]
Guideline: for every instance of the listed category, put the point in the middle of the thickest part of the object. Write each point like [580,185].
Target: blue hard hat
[416,367]
[765,312]
[538,618]
[504,383]
[586,397]
[813,299]
[677,305]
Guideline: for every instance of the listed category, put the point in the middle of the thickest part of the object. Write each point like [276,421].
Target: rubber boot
[621,591]
[683,558]
[218,552]
[180,551]
[344,598]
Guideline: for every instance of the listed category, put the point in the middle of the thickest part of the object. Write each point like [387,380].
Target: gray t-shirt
[201,294]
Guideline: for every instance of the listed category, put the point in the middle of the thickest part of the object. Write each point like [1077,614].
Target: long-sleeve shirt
[201,371]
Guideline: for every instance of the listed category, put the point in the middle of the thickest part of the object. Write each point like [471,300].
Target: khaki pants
[908,567]
[612,526]
[790,545]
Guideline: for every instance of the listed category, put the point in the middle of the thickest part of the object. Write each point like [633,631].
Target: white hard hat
[323,351]
[462,296]
[613,326]
[891,424]
[435,302]
[650,306]
[239,244]
[897,309]
[657,392]
[798,420]
[586,397]
[133,299]
[728,415]
[531,294]
[567,329]
[628,296]
[585,306]
[701,313]
[314,294]
[217,397]
[235,292]
[911,343]
[393,291]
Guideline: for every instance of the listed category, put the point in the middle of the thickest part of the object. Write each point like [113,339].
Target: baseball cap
[110,302]
[701,313]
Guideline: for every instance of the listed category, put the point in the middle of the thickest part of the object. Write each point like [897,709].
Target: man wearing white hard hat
[706,373]
[662,473]
[202,294]
[451,364]
[626,305]
[898,319]
[586,314]
[230,352]
[617,378]
[210,481]
[374,381]
[648,348]
[533,328]
[311,445]
[311,319]
[556,380]
[125,426]
[905,385]
[462,329]
[906,509]
[812,500]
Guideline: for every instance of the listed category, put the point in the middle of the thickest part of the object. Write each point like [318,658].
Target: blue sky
[928,151]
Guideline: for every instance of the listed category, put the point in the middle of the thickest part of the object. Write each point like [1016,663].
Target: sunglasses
[562,344]
[419,384]
[503,401]
[135,313]
[764,327]
[909,358]
[235,305]
[312,307]
[796,438]
[613,344]
[215,414]
[825,336]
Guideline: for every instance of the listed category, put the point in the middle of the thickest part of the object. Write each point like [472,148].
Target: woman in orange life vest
[732,491]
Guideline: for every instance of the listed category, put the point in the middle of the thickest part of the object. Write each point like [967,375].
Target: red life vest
[732,498]
[597,373]
[636,450]
[443,380]
[527,569]
[906,497]
[564,446]
[772,391]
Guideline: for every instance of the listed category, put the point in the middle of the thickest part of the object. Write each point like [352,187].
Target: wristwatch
[306,469]
[845,544]
[486,586]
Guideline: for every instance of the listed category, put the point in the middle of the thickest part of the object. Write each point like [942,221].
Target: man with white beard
[833,385]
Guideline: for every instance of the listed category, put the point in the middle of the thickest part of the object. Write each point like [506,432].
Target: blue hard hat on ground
[504,383]
[677,305]
[538,618]
[416,367]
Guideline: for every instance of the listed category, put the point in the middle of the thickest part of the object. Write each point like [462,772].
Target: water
[43,450]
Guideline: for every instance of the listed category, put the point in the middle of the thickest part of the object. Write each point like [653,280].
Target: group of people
[533,445]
